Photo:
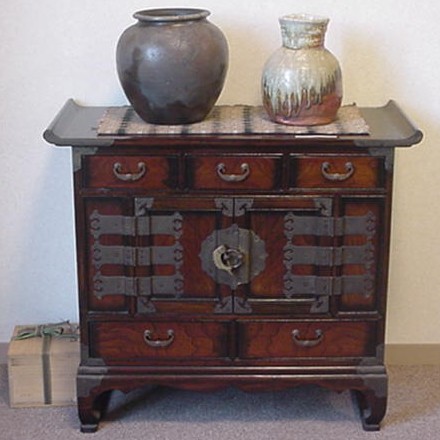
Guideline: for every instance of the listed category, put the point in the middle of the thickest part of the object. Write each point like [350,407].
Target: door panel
[147,251]
[286,225]
[365,297]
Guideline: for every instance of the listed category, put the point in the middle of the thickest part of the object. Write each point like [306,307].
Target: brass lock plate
[233,256]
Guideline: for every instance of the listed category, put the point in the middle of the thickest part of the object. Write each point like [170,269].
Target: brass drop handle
[158,343]
[319,336]
[337,177]
[129,177]
[245,171]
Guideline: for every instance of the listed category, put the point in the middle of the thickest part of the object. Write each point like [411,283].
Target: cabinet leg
[90,410]
[372,408]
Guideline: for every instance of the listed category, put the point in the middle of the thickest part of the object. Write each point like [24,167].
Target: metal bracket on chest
[328,256]
[329,226]
[331,256]
[233,207]
[141,224]
[233,304]
[134,225]
[136,256]
[327,286]
[171,285]
[233,256]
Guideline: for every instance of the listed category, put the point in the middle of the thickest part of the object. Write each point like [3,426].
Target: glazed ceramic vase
[172,65]
[302,81]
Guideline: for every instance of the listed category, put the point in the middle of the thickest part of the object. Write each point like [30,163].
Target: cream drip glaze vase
[302,80]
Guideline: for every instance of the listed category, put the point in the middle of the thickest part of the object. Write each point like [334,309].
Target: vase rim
[305,18]
[171,14]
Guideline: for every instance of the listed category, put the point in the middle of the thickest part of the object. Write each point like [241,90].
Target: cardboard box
[42,369]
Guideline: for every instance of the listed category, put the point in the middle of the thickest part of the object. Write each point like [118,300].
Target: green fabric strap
[58,330]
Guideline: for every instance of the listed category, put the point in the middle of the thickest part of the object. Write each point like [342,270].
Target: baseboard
[395,354]
[412,354]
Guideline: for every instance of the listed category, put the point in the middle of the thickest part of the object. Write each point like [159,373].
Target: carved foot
[90,410]
[372,408]
[89,429]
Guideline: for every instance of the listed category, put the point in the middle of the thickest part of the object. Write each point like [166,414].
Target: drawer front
[291,339]
[234,172]
[337,172]
[130,172]
[119,341]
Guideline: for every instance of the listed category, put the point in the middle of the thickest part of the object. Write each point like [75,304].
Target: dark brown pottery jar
[172,65]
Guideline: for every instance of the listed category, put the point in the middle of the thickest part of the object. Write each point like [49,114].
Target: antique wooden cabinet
[251,260]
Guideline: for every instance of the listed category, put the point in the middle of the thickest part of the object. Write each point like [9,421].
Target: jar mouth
[305,18]
[171,14]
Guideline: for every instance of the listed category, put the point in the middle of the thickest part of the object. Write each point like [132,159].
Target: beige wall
[52,50]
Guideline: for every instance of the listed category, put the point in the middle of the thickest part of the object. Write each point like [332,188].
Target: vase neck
[170,15]
[300,31]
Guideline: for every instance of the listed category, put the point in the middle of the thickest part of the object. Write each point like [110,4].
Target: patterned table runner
[229,119]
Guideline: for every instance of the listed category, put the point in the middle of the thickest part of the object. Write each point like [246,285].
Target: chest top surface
[77,126]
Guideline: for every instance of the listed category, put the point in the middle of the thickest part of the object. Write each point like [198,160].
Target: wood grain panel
[264,172]
[119,341]
[308,172]
[157,175]
[274,339]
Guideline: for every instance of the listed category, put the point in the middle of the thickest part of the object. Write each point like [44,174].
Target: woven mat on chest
[229,119]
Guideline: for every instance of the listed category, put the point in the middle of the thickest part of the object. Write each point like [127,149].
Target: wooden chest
[42,370]
[238,259]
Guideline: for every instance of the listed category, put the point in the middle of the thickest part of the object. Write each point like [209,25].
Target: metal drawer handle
[129,177]
[245,171]
[319,336]
[158,343]
[337,177]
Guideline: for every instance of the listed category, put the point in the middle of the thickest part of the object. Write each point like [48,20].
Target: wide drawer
[234,172]
[120,341]
[336,172]
[152,172]
[293,339]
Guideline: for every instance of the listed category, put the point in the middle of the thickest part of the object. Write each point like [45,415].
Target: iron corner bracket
[77,155]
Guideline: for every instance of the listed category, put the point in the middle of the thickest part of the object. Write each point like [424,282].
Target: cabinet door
[268,256]
[143,254]
[318,251]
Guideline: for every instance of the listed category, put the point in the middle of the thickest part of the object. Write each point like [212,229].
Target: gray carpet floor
[303,413]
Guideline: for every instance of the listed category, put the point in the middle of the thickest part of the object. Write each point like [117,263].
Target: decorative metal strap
[328,226]
[138,286]
[141,224]
[112,225]
[136,256]
[101,224]
[322,285]
[327,256]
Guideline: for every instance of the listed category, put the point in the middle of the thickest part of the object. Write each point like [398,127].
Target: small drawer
[292,339]
[337,172]
[121,341]
[130,172]
[234,172]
